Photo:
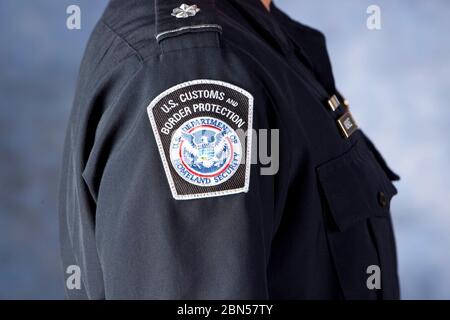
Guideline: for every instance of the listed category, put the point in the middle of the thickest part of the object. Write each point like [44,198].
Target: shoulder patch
[200,128]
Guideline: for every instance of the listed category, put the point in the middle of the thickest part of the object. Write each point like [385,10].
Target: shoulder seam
[123,39]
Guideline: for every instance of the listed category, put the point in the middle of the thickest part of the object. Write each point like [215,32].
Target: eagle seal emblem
[205,151]
[203,131]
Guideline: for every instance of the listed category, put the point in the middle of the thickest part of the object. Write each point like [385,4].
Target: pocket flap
[355,187]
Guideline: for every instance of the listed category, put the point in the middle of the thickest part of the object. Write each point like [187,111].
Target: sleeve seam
[92,191]
[128,44]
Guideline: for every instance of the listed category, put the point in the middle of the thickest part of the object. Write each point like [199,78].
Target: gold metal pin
[347,124]
[334,102]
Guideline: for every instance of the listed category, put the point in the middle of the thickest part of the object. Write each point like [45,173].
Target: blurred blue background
[396,78]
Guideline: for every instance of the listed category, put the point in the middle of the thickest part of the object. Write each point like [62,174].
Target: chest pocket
[357,195]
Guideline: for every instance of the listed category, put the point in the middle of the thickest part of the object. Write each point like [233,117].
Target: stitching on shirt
[123,39]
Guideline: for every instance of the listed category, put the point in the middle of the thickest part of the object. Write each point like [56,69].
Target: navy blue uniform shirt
[158,199]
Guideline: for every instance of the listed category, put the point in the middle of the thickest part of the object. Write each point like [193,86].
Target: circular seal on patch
[205,151]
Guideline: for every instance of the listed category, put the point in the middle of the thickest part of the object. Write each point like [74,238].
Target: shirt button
[382,199]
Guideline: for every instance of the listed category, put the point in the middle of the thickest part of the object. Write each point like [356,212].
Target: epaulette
[175,17]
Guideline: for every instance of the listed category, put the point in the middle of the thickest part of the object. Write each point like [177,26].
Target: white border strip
[200,26]
[163,155]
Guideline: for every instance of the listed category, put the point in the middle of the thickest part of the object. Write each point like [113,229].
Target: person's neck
[266,4]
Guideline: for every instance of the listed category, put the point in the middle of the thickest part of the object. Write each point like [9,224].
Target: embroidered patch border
[246,147]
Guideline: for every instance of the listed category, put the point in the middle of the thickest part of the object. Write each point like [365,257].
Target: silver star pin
[185,11]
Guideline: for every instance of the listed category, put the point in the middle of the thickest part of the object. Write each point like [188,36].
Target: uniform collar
[265,22]
[255,4]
